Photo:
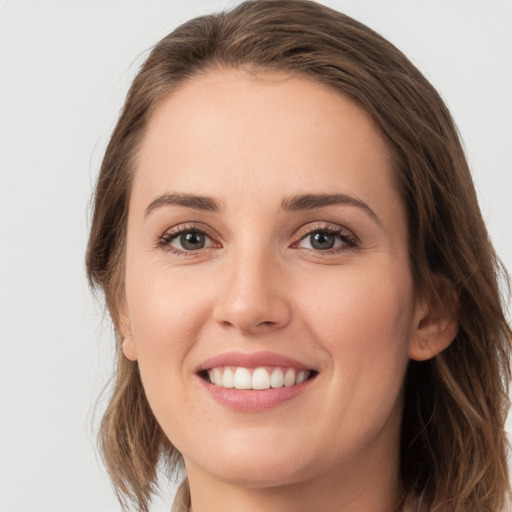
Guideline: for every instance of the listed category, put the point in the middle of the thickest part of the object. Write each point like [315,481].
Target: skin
[250,141]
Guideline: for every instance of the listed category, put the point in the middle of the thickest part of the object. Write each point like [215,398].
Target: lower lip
[250,400]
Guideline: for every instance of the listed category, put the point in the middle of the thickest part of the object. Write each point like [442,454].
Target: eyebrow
[291,204]
[188,200]
[313,201]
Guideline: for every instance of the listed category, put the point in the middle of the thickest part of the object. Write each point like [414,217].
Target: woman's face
[266,245]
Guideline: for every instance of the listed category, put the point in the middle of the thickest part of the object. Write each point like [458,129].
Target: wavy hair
[453,454]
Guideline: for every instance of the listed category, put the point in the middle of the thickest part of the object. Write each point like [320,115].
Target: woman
[305,298]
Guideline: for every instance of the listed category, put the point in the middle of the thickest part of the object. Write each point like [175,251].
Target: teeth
[217,375]
[289,378]
[301,377]
[277,379]
[228,379]
[242,378]
[260,378]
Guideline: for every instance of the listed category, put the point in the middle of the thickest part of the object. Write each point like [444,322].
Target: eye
[185,240]
[327,238]
[191,240]
[321,240]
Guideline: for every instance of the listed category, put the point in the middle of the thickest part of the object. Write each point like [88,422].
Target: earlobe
[436,322]
[128,346]
[129,349]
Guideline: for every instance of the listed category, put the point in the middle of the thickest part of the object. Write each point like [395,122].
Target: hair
[453,453]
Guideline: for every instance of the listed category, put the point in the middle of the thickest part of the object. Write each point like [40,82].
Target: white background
[64,70]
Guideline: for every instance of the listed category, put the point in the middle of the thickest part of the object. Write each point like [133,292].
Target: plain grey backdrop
[65,67]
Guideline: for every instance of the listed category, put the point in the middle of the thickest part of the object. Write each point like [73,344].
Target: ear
[129,349]
[128,344]
[436,321]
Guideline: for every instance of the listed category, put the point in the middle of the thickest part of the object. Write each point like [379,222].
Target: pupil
[322,241]
[192,240]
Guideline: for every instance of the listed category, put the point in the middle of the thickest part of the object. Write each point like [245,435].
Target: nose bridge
[252,297]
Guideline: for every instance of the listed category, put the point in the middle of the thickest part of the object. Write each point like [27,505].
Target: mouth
[260,378]
[256,381]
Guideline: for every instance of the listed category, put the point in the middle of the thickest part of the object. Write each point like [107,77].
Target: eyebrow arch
[312,201]
[290,204]
[188,200]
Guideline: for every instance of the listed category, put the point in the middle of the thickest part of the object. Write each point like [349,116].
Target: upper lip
[252,360]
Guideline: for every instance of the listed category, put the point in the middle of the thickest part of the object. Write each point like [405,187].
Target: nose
[252,295]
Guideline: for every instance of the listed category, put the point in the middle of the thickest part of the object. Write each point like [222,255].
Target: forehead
[266,133]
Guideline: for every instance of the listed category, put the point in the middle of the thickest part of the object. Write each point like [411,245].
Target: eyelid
[325,226]
[351,241]
[171,234]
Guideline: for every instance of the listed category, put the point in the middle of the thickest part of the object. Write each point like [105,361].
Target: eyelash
[165,240]
[349,240]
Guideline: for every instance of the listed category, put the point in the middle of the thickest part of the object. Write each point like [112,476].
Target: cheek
[371,308]
[166,311]
[365,327]
[161,305]
[166,315]
[365,324]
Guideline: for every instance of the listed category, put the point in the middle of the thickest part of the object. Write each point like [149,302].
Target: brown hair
[453,444]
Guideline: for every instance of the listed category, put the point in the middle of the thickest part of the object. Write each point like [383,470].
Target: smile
[261,378]
[252,382]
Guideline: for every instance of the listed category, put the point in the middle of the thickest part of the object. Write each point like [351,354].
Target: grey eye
[322,241]
[192,240]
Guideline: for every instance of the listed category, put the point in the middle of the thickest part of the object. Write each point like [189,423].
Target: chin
[256,464]
[257,476]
